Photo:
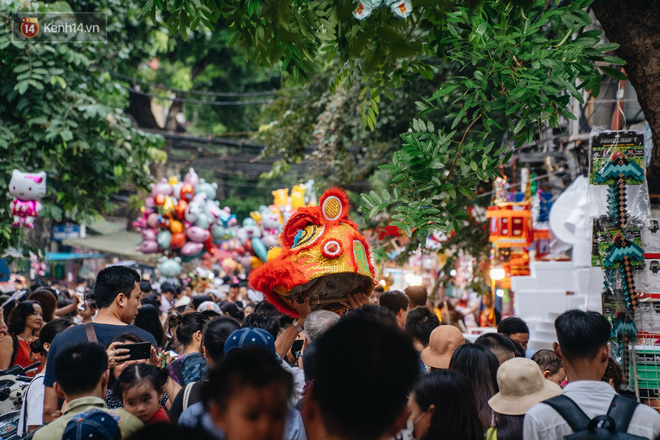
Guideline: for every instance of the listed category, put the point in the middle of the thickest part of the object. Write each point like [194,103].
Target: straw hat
[521,387]
[444,340]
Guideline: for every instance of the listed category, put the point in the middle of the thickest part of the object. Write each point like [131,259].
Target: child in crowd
[247,395]
[141,389]
[550,365]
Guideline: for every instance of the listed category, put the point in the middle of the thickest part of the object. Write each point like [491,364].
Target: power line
[199,101]
[190,92]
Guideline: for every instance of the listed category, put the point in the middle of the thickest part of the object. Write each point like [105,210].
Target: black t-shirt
[105,333]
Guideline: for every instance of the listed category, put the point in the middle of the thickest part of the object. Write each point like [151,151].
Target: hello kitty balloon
[28,189]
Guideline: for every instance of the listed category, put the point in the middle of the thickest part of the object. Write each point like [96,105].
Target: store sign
[64,232]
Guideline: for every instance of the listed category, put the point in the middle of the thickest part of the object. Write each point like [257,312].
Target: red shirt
[25,357]
[159,416]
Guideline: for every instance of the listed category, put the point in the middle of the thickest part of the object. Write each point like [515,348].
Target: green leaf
[21,87]
[467,192]
[614,73]
[444,91]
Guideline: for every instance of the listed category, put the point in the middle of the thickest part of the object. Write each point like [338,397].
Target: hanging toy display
[617,178]
[27,189]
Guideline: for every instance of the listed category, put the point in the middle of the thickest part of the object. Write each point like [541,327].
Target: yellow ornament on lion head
[322,256]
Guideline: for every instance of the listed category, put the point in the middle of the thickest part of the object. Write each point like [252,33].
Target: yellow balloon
[281,197]
[297,196]
[168,206]
[256,216]
[174,180]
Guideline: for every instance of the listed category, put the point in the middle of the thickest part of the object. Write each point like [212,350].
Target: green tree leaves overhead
[518,62]
[59,115]
[519,67]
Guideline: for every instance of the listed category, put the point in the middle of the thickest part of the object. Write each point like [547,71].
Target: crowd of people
[134,362]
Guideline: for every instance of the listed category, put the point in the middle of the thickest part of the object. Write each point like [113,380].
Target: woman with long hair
[33,403]
[443,406]
[24,322]
[479,367]
[191,365]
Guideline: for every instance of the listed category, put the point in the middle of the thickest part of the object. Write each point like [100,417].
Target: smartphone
[138,350]
[81,301]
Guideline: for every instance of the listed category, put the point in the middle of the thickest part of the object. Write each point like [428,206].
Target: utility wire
[199,101]
[190,92]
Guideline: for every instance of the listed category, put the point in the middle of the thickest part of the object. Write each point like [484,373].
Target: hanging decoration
[623,245]
[27,189]
[400,8]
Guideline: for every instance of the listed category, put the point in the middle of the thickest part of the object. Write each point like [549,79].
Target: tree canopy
[61,114]
[517,66]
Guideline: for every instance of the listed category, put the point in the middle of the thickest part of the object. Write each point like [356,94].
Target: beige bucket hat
[521,387]
[444,340]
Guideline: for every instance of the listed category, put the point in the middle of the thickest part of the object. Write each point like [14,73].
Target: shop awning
[122,244]
[55,256]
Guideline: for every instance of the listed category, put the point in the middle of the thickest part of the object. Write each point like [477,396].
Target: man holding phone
[117,295]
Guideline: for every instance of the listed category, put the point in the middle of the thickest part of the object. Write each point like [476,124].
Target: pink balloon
[152,220]
[192,177]
[148,247]
[149,235]
[191,248]
[197,234]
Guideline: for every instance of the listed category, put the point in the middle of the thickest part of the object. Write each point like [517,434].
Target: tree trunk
[635,25]
[140,110]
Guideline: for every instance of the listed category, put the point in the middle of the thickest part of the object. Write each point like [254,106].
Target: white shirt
[594,398]
[33,405]
[165,305]
[298,381]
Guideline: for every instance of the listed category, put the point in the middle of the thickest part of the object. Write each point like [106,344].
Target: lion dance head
[323,256]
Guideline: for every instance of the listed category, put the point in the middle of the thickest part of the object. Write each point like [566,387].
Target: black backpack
[611,426]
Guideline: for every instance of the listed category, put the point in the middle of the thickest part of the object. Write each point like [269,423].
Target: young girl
[141,389]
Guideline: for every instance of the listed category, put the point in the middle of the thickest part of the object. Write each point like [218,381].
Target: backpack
[611,426]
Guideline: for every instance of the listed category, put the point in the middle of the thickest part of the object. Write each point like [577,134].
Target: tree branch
[458,152]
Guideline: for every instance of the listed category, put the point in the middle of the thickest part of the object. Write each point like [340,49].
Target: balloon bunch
[182,218]
[246,246]
[183,221]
